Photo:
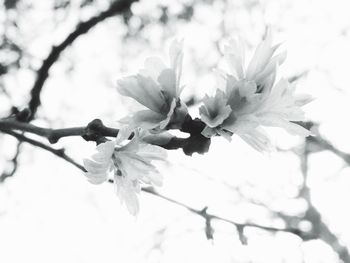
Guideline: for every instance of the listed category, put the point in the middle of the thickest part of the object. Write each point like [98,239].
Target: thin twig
[14,162]
[58,152]
[207,216]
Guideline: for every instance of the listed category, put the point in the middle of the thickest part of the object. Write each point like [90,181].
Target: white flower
[130,164]
[262,67]
[157,87]
[101,164]
[279,107]
[252,100]
[242,110]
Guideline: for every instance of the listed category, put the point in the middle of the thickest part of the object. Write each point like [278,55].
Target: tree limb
[117,7]
[96,131]
[58,152]
[319,227]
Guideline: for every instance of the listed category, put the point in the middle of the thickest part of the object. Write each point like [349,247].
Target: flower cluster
[129,163]
[157,87]
[250,100]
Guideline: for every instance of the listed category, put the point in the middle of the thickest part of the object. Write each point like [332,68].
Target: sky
[50,213]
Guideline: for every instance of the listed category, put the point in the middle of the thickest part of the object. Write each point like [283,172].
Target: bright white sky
[48,211]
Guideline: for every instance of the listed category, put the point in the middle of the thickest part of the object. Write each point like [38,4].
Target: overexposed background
[50,213]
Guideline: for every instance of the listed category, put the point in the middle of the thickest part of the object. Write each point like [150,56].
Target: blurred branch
[58,152]
[14,162]
[317,143]
[319,227]
[117,7]
[240,226]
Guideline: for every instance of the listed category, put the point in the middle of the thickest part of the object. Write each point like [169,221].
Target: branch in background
[317,143]
[14,162]
[116,7]
[58,152]
[240,226]
[319,227]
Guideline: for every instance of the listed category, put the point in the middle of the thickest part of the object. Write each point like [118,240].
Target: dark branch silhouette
[115,8]
[58,152]
[97,131]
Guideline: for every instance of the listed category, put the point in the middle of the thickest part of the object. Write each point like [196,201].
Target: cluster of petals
[157,88]
[128,164]
[251,98]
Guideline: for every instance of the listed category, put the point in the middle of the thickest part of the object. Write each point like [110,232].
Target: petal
[236,65]
[153,179]
[303,99]
[157,138]
[95,167]
[164,123]
[146,119]
[209,132]
[96,178]
[215,109]
[106,148]
[167,79]
[153,67]
[175,53]
[123,134]
[243,124]
[144,90]
[258,139]
[152,152]
[126,193]
[290,127]
[176,57]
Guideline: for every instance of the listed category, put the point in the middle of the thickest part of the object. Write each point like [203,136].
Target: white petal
[123,134]
[167,79]
[153,67]
[145,119]
[164,123]
[106,148]
[95,167]
[96,178]
[258,139]
[290,127]
[144,90]
[126,192]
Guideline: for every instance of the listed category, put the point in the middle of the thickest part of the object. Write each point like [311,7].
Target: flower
[261,68]
[252,99]
[130,164]
[157,87]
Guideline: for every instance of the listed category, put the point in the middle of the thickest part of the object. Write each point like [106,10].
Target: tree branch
[208,217]
[58,152]
[96,131]
[116,7]
[14,162]
[319,227]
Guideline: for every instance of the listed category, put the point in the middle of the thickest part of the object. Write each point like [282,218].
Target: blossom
[252,99]
[129,163]
[261,68]
[157,87]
